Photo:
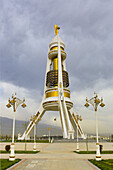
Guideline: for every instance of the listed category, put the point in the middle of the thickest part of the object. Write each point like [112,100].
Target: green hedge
[20,152]
[94,152]
[28,141]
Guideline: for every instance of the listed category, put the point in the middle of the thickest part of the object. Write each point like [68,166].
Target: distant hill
[42,129]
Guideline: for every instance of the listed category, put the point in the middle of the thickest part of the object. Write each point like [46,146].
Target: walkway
[57,156]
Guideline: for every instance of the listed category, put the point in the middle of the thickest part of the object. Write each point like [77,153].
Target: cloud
[86,28]
[27,28]
[32,100]
[105,115]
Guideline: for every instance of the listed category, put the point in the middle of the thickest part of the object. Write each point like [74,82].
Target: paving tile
[57,156]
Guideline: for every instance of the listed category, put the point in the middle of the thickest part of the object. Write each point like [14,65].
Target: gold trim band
[52,89]
[56,48]
[55,94]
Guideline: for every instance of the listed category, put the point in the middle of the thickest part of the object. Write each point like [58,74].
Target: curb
[15,165]
[94,166]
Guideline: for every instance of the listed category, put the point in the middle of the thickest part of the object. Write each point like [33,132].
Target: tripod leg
[68,122]
[37,118]
[74,123]
[63,121]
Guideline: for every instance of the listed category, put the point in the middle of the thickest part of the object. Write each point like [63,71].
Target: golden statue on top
[56,29]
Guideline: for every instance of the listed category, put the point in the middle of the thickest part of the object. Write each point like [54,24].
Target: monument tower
[56,92]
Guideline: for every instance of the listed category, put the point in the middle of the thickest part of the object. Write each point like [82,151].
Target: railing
[52,78]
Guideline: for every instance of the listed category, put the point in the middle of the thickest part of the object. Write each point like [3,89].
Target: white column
[49,135]
[60,80]
[70,130]
[12,154]
[60,91]
[98,156]
[34,148]
[77,139]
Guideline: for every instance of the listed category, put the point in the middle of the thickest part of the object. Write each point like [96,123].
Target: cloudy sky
[26,29]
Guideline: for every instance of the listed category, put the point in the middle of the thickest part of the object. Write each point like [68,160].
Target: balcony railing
[52,78]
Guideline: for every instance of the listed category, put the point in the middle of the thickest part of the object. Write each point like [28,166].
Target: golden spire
[56,29]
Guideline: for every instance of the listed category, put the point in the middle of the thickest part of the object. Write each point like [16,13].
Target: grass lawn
[20,152]
[5,163]
[27,141]
[94,152]
[103,164]
[32,141]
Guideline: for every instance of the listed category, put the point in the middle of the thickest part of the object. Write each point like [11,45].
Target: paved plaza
[57,156]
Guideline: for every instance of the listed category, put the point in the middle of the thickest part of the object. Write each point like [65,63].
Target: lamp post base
[12,154]
[77,150]
[49,140]
[11,158]
[98,156]
[34,148]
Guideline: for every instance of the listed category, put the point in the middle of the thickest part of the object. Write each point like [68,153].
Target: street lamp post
[34,149]
[55,120]
[33,119]
[78,118]
[49,134]
[15,102]
[95,101]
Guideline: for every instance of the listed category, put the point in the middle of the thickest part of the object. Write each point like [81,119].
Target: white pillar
[60,91]
[34,148]
[70,130]
[98,156]
[12,154]
[49,135]
[77,139]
